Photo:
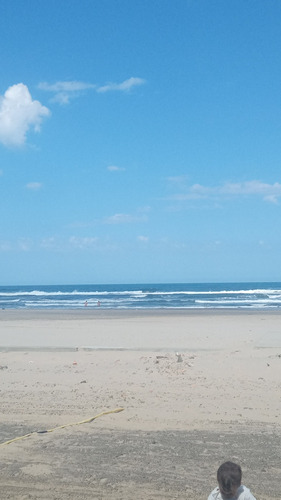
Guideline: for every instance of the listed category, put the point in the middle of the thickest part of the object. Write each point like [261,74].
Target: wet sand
[196,389]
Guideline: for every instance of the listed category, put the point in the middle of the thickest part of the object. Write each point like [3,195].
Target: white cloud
[123,87]
[114,168]
[252,187]
[83,243]
[145,239]
[53,243]
[64,91]
[18,114]
[141,215]
[25,244]
[144,210]
[35,186]
[268,192]
[67,86]
[48,243]
[178,179]
[272,198]
[5,246]
[123,219]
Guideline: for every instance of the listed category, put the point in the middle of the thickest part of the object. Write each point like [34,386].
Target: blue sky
[140,141]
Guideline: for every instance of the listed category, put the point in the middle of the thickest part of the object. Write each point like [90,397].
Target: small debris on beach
[179,356]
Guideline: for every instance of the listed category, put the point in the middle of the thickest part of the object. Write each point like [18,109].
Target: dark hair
[229,477]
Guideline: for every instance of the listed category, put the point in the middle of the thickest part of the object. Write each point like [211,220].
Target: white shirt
[242,493]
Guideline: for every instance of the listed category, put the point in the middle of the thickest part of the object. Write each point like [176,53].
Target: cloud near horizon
[18,114]
[268,192]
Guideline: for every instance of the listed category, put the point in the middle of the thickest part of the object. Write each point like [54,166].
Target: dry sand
[219,399]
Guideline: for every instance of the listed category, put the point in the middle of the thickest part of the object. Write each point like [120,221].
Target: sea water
[255,296]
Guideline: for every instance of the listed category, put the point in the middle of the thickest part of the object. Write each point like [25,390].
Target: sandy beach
[195,389]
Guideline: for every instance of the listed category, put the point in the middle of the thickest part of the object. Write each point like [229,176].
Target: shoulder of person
[245,494]
[215,495]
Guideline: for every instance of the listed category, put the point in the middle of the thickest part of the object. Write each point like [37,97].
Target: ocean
[254,296]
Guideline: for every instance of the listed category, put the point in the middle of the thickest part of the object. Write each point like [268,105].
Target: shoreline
[88,312]
[138,330]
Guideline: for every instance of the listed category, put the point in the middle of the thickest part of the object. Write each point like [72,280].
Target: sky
[140,141]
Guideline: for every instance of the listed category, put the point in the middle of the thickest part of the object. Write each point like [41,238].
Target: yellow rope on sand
[87,421]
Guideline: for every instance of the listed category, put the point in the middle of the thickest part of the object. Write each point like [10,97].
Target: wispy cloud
[34,186]
[25,244]
[58,244]
[177,179]
[5,246]
[48,243]
[63,244]
[123,219]
[18,114]
[20,244]
[122,87]
[83,243]
[141,215]
[142,238]
[63,92]
[268,192]
[114,168]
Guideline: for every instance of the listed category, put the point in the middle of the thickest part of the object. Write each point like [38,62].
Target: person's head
[229,477]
